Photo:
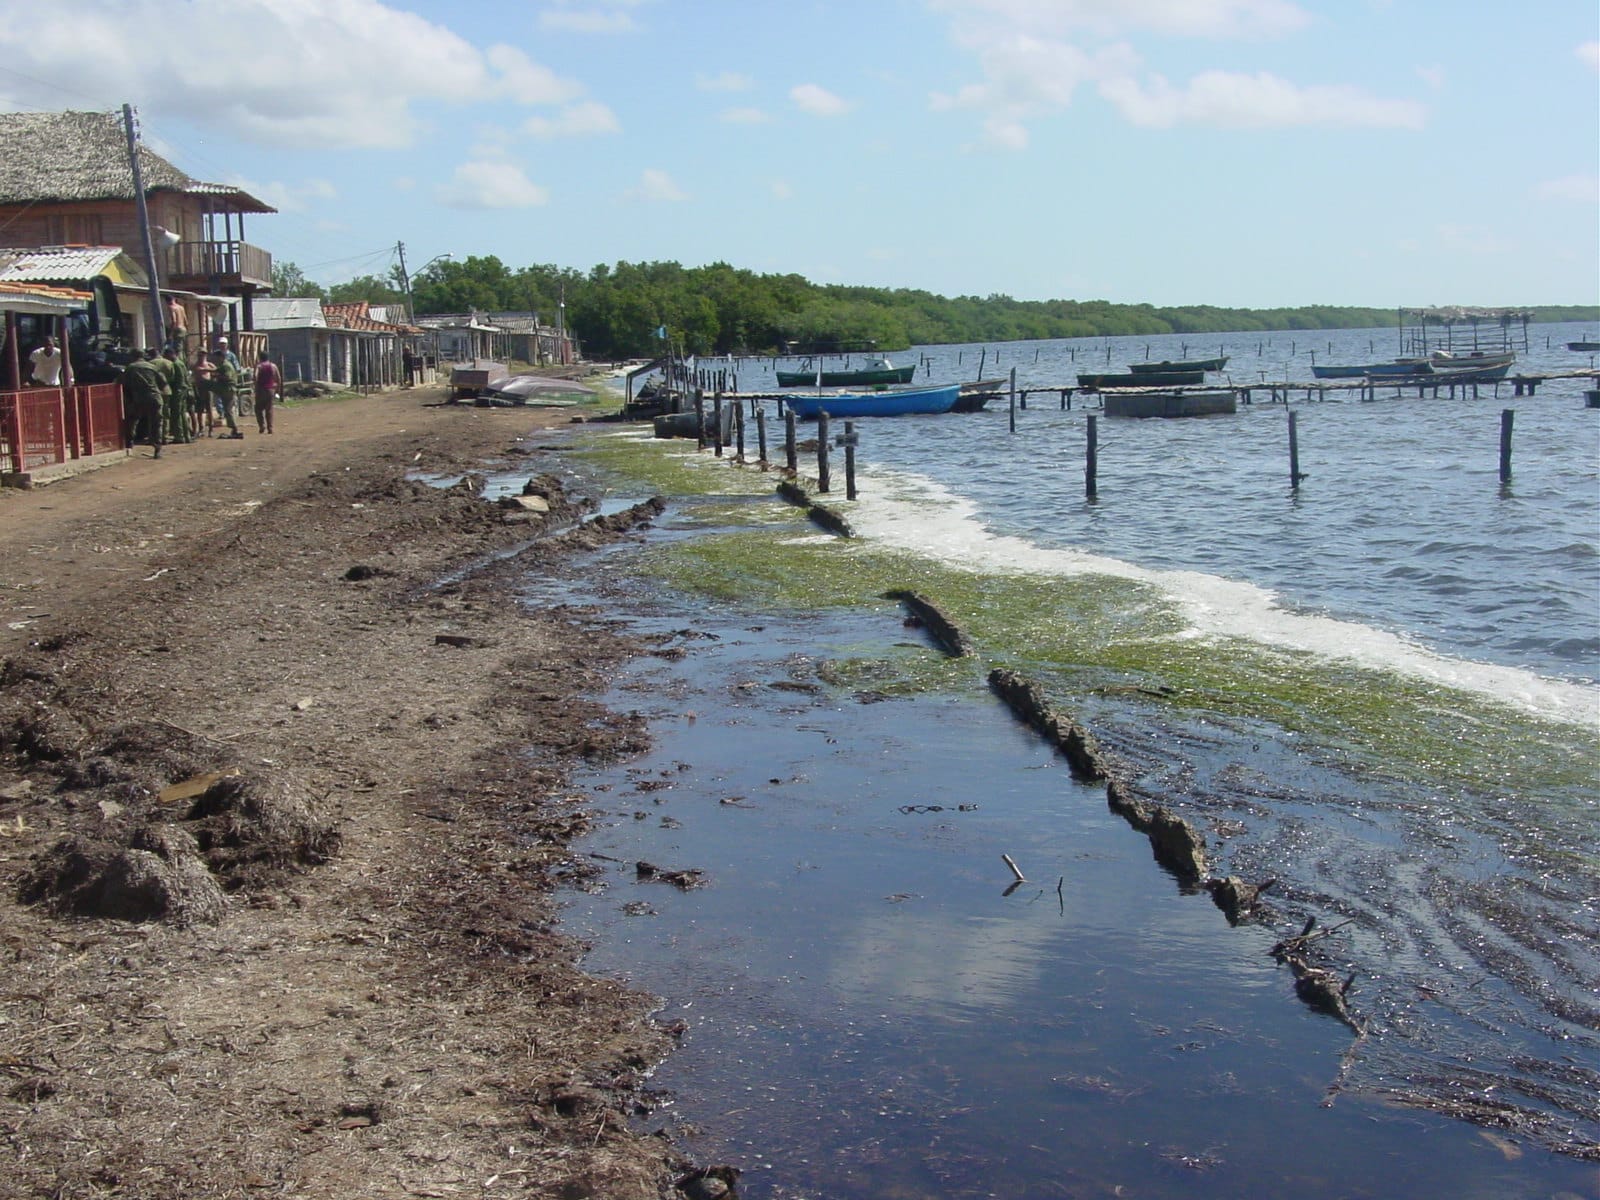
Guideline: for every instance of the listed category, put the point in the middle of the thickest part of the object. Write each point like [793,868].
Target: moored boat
[1478,360]
[1467,372]
[1203,402]
[889,402]
[1398,366]
[1192,364]
[1144,379]
[875,371]
[1585,347]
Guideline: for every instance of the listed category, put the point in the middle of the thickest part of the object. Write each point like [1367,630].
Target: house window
[75,229]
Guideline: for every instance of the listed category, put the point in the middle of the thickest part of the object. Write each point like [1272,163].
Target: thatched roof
[75,156]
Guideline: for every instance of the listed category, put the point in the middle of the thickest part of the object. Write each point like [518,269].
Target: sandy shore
[282,815]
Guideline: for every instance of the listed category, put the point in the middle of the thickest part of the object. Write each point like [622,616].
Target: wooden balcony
[230,266]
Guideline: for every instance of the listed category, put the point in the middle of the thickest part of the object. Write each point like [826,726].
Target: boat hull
[1193,364]
[1383,369]
[1144,379]
[901,403]
[890,375]
[1588,347]
[1205,403]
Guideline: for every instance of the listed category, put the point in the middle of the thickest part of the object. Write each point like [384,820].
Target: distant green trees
[619,311]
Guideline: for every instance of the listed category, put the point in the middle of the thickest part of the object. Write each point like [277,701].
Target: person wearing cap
[223,352]
[224,385]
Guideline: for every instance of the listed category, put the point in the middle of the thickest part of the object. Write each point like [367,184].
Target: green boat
[876,371]
[1189,364]
[1143,379]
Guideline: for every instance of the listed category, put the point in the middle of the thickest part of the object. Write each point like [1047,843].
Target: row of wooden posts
[851,440]
[791,445]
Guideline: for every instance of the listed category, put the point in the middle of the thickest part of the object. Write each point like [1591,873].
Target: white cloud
[1114,18]
[1584,189]
[304,73]
[1259,101]
[657,186]
[576,120]
[781,189]
[1432,76]
[744,116]
[287,197]
[485,183]
[404,183]
[728,81]
[526,81]
[1034,56]
[1589,53]
[818,101]
[582,16]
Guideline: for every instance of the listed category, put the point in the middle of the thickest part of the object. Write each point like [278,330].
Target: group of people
[166,399]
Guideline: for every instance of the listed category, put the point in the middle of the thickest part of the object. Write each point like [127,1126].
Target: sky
[1243,153]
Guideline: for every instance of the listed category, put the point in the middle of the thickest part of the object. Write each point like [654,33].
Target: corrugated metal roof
[288,312]
[69,264]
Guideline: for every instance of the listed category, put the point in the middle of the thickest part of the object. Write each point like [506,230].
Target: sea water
[1377,688]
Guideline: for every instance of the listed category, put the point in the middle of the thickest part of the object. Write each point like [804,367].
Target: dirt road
[280,817]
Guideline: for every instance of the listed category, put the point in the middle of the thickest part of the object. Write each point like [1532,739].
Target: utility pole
[158,318]
[405,277]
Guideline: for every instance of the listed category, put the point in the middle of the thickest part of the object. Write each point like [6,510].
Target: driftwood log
[1025,699]
[820,514]
[944,632]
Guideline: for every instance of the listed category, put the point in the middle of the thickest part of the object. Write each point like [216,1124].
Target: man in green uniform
[182,395]
[142,382]
[224,386]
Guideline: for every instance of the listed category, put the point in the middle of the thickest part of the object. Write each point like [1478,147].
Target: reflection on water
[871,1014]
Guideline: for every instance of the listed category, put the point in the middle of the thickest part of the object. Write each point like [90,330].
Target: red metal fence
[40,427]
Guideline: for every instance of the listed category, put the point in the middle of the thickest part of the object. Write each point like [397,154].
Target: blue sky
[1234,152]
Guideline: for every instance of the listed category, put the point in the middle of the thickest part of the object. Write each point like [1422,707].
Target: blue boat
[889,402]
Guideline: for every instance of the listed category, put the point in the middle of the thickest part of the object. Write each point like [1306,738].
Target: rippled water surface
[871,1009]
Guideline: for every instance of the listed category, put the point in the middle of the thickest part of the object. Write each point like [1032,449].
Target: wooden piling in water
[1507,416]
[791,457]
[1294,451]
[1011,393]
[761,435]
[849,460]
[738,431]
[824,475]
[699,419]
[1090,465]
[716,417]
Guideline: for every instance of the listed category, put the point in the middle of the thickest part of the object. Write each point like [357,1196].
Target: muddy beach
[282,772]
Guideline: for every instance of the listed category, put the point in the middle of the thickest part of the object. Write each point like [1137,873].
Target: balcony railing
[226,262]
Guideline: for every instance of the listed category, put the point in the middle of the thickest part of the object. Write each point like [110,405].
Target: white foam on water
[914,513]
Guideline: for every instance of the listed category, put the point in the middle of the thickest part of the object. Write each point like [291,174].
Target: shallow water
[871,1014]
[1378,689]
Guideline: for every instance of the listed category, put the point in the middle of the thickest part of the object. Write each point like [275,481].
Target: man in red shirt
[269,386]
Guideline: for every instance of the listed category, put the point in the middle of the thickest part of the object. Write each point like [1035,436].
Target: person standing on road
[201,417]
[142,382]
[224,385]
[269,387]
[182,397]
[46,364]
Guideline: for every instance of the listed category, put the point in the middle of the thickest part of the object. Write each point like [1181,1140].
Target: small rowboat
[876,371]
[1192,364]
[1399,366]
[1143,379]
[890,402]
